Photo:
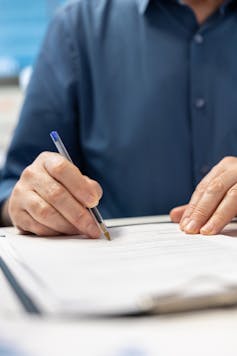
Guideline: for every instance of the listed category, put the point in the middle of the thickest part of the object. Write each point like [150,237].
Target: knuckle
[201,187]
[43,156]
[44,212]
[59,167]
[199,213]
[232,192]
[190,209]
[228,160]
[16,190]
[216,186]
[28,173]
[55,193]
[191,206]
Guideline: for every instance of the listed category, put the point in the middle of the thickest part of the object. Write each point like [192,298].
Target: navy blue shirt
[144,98]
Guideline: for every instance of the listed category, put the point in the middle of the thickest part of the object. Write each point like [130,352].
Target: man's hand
[51,198]
[213,203]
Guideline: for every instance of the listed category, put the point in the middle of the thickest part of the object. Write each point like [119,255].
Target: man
[144,95]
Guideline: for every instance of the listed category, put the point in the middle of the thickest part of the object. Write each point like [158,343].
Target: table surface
[199,333]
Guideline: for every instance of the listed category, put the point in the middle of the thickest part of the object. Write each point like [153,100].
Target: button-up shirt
[144,98]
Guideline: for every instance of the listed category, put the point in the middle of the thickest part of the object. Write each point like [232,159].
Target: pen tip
[107,235]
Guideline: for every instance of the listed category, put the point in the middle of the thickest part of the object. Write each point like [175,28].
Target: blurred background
[22,27]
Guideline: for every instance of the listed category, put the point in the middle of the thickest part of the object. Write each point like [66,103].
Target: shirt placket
[199,105]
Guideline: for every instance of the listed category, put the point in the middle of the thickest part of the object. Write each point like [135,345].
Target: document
[75,275]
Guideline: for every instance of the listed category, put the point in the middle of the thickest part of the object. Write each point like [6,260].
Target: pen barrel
[97,215]
[63,151]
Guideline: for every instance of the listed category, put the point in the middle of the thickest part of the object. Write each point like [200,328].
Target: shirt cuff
[6,187]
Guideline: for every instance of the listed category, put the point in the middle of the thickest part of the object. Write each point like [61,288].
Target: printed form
[77,275]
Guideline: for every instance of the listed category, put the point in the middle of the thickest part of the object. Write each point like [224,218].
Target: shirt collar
[143,4]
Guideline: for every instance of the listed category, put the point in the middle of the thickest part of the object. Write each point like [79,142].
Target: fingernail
[93,231]
[191,227]
[208,228]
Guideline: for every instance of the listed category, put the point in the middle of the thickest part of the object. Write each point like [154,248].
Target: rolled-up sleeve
[50,104]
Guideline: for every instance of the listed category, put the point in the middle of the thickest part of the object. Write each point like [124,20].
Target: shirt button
[200,103]
[198,38]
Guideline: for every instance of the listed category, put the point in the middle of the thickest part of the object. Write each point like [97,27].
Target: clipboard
[203,291]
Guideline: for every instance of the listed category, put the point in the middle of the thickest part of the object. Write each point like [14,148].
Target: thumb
[177,213]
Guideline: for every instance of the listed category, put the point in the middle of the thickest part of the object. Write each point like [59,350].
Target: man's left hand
[214,202]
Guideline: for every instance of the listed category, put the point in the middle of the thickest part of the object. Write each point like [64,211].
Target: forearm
[4,215]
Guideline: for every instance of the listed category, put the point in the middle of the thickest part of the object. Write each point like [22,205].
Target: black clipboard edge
[26,301]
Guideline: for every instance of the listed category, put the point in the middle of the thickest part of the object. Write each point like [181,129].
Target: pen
[94,211]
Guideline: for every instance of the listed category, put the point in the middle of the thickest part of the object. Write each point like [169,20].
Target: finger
[177,213]
[210,200]
[85,190]
[198,193]
[46,215]
[27,224]
[225,212]
[60,199]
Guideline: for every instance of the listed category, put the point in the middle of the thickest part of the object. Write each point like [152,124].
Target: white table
[205,333]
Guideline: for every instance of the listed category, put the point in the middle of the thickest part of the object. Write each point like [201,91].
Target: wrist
[5,219]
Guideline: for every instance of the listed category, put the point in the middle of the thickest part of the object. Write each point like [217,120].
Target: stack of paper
[145,267]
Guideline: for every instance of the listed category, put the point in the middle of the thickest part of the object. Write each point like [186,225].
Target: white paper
[73,275]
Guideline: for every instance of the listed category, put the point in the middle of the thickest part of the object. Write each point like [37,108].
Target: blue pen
[94,211]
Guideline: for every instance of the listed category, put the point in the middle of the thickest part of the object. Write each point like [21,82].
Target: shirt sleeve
[50,104]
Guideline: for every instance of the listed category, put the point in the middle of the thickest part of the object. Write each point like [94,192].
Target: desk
[195,334]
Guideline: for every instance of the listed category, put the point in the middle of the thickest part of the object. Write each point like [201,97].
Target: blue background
[22,27]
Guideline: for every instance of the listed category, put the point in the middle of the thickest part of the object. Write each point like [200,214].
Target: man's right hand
[51,198]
